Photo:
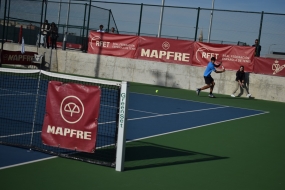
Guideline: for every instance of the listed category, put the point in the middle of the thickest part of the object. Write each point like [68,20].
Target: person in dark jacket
[240,75]
[53,35]
[257,48]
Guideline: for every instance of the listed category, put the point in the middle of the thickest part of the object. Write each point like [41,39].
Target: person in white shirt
[45,34]
[101,28]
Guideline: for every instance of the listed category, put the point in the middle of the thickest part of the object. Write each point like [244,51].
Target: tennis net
[23,97]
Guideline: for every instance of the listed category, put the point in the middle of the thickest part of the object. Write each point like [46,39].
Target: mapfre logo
[276,67]
[165,45]
[205,53]
[96,41]
[71,109]
[164,54]
[14,57]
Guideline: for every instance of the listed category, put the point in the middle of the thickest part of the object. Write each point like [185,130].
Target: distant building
[18,25]
[276,55]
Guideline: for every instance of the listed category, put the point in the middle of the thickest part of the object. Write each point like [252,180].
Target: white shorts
[43,37]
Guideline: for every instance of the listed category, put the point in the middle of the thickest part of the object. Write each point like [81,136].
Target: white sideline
[24,163]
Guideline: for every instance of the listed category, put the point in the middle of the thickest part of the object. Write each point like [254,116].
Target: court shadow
[140,155]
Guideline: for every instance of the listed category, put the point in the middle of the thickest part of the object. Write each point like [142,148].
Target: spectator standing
[240,76]
[45,29]
[53,35]
[113,30]
[257,48]
[101,28]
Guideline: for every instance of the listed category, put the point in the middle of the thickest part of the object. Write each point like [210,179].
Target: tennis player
[208,78]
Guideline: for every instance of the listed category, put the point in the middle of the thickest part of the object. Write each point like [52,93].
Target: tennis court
[176,140]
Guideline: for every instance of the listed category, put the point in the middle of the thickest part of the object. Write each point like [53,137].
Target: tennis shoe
[212,96]
[249,95]
[198,91]
[233,95]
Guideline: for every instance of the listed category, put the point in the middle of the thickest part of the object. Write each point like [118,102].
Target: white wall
[149,72]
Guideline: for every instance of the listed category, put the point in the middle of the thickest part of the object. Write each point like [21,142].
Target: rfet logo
[276,67]
[205,53]
[96,41]
[71,119]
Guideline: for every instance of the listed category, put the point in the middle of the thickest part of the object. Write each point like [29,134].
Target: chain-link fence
[73,18]
[188,23]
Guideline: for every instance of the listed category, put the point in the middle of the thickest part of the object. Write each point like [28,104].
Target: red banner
[231,56]
[16,57]
[269,66]
[71,119]
[112,44]
[165,50]
[181,52]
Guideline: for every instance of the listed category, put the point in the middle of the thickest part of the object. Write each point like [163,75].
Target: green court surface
[242,154]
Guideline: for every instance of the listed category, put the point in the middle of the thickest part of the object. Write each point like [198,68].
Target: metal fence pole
[114,22]
[59,10]
[160,20]
[87,28]
[41,21]
[45,12]
[108,29]
[211,20]
[140,22]
[66,28]
[3,30]
[260,28]
[197,22]
[83,28]
[8,19]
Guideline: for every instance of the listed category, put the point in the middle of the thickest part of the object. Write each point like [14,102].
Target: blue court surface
[13,156]
[150,116]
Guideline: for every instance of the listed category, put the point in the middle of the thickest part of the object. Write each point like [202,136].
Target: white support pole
[160,21]
[211,19]
[122,125]
[58,18]
[66,28]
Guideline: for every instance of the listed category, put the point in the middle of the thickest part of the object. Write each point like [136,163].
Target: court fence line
[228,26]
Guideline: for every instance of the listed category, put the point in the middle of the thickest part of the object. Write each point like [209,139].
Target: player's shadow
[141,155]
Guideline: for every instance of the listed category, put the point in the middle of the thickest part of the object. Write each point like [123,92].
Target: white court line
[196,127]
[197,101]
[167,114]
[20,93]
[175,113]
[129,109]
[19,134]
[143,111]
[159,115]
[109,106]
[24,163]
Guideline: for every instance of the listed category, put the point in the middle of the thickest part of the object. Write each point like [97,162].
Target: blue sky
[274,6]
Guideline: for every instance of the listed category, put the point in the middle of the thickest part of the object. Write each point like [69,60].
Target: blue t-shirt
[209,69]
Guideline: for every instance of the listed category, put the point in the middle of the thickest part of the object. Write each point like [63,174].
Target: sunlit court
[142,95]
